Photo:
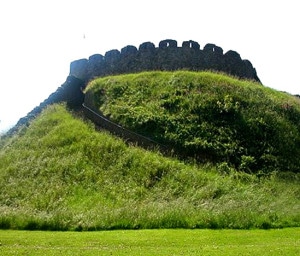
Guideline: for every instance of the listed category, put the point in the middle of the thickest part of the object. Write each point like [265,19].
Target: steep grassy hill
[61,174]
[208,116]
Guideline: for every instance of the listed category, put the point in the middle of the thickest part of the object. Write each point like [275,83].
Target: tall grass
[61,174]
[208,116]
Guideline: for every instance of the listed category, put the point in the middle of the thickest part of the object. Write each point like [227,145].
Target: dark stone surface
[168,56]
[191,44]
[147,46]
[167,43]
[79,68]
[128,50]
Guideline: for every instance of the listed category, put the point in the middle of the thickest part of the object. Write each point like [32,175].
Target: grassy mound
[61,174]
[209,116]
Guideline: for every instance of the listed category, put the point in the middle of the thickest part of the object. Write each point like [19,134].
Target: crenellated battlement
[167,56]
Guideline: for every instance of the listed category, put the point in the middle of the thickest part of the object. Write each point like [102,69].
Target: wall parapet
[167,56]
[102,121]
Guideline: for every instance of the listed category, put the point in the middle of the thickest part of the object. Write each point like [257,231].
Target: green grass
[211,117]
[61,174]
[152,242]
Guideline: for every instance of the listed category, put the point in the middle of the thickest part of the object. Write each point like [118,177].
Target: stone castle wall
[167,56]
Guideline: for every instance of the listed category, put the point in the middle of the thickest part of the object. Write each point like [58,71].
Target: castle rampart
[167,56]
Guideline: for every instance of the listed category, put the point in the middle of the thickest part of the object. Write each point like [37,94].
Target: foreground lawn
[152,242]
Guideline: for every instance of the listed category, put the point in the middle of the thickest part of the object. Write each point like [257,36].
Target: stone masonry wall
[167,56]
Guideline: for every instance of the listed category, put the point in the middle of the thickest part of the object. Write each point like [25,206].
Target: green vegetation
[61,174]
[152,242]
[208,116]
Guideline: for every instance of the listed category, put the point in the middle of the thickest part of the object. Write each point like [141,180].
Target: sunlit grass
[61,174]
[152,242]
[209,116]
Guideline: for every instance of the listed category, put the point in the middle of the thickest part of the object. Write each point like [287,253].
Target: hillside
[62,174]
[208,116]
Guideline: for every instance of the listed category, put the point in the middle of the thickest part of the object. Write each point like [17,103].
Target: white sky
[39,39]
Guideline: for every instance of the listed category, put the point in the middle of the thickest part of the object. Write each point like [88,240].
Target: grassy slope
[60,174]
[208,116]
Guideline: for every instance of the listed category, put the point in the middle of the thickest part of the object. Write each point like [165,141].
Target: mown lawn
[152,242]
